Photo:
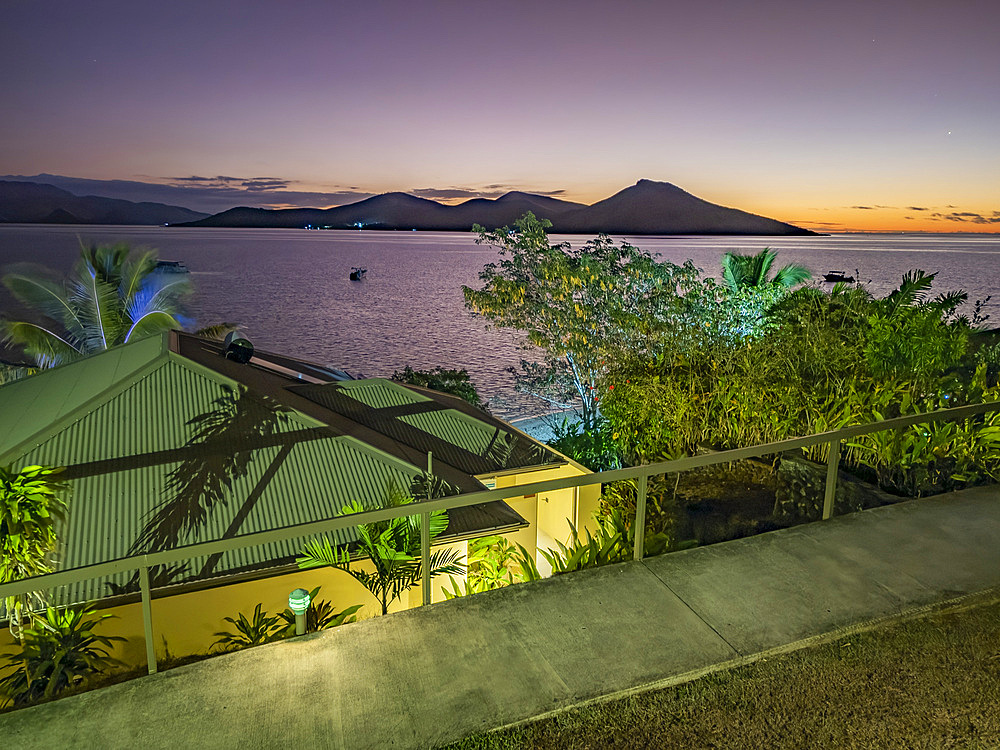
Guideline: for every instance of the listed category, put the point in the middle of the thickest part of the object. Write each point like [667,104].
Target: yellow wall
[185,624]
[549,515]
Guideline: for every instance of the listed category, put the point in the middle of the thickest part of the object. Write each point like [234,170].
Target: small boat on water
[358,273]
[171,266]
[838,276]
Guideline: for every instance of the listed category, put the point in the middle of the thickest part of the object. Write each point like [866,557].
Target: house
[167,442]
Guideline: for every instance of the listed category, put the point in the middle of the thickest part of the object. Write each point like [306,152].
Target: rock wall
[801,485]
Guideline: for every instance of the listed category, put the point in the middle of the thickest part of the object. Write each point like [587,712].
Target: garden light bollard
[298,602]
[832,462]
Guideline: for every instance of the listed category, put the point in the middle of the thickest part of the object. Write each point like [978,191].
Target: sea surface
[289,291]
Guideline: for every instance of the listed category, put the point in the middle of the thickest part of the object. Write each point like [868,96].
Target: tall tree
[740,271]
[112,295]
[575,304]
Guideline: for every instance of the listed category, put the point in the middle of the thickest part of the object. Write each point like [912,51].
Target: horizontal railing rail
[424,508]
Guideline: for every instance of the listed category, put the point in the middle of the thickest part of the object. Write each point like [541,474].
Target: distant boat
[358,273]
[838,276]
[171,266]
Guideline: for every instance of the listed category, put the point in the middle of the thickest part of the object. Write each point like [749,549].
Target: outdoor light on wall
[298,602]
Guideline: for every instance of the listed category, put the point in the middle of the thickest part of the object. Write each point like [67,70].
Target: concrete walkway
[430,676]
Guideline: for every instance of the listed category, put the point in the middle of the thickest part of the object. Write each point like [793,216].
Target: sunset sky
[849,115]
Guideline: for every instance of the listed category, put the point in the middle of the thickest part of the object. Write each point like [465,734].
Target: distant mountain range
[31,203]
[647,207]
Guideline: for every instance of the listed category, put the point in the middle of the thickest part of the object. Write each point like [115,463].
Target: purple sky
[848,114]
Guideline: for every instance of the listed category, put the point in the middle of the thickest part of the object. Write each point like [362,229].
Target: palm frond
[217,331]
[32,286]
[44,345]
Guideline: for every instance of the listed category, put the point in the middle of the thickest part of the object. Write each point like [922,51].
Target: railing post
[147,619]
[425,540]
[640,517]
[832,463]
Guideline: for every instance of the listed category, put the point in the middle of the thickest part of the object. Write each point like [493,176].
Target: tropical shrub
[392,547]
[31,501]
[250,631]
[58,651]
[823,361]
[456,382]
[320,615]
[593,447]
[491,564]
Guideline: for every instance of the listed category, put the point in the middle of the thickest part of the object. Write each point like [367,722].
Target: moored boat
[838,276]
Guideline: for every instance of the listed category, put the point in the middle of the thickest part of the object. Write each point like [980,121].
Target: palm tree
[392,546]
[741,271]
[111,296]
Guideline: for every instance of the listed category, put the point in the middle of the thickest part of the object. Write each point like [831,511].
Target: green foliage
[595,448]
[821,362]
[261,628]
[490,565]
[111,296]
[741,271]
[455,382]
[30,503]
[253,631]
[59,651]
[613,542]
[574,304]
[320,615]
[392,547]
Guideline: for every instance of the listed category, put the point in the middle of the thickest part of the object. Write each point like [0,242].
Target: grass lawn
[932,682]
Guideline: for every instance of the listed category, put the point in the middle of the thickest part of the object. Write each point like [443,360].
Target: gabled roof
[167,443]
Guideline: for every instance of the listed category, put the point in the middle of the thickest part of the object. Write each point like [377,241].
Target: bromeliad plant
[261,628]
[392,548]
[59,651]
[321,615]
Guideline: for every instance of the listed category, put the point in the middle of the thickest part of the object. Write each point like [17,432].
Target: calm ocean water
[289,289]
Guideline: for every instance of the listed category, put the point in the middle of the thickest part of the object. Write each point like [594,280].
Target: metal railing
[424,508]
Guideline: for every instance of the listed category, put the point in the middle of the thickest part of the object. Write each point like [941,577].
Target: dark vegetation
[662,363]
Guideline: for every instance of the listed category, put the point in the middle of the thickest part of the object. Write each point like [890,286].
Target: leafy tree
[59,651]
[575,304]
[455,382]
[392,547]
[740,271]
[112,296]
[30,504]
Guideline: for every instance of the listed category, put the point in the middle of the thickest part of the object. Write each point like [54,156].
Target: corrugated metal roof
[380,394]
[44,400]
[151,430]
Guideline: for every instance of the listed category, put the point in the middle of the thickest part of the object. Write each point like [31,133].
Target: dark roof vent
[238,348]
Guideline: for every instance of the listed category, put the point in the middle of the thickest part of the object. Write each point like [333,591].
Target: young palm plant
[392,547]
[112,296]
[741,271]
[58,652]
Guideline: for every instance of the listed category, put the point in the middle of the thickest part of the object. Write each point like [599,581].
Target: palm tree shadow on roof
[220,452]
